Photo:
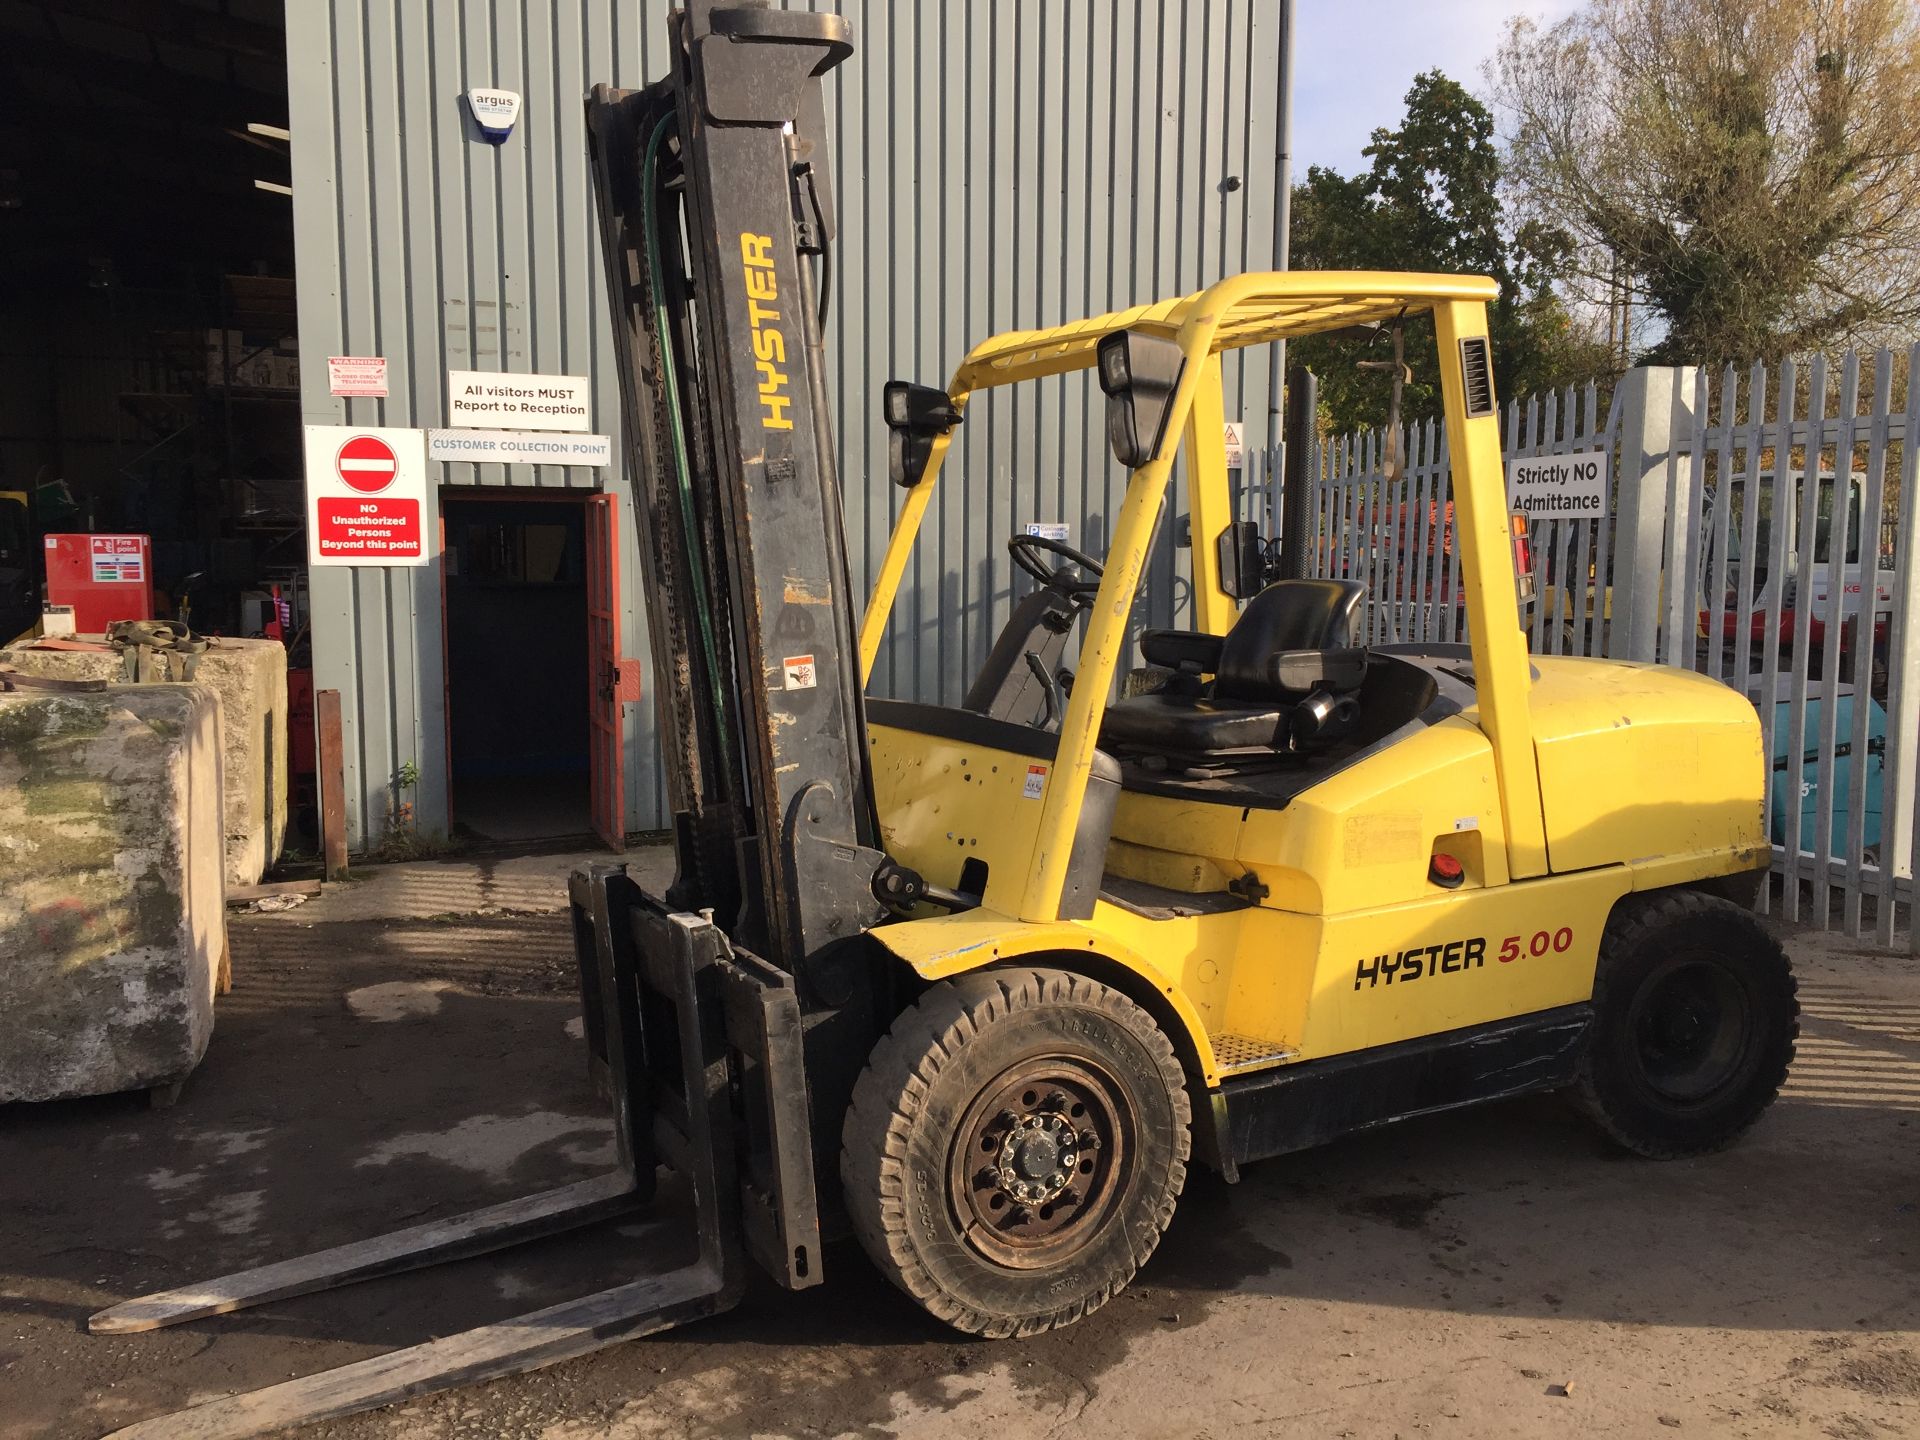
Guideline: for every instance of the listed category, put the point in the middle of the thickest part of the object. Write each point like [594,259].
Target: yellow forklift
[976,983]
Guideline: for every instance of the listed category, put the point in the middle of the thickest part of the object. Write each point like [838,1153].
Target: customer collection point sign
[366,496]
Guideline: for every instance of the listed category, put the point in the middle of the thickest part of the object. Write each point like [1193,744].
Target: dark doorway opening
[520,761]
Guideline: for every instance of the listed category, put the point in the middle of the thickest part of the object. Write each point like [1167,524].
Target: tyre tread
[888,1097]
[1638,920]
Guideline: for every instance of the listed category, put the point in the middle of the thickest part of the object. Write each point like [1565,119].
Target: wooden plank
[511,1347]
[474,1232]
[246,894]
[330,758]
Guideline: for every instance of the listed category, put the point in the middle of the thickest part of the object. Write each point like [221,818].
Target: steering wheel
[1026,551]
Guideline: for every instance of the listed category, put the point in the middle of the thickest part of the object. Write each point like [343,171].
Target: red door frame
[613,681]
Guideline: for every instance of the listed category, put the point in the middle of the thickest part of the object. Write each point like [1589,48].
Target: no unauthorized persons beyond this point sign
[1559,487]
[366,496]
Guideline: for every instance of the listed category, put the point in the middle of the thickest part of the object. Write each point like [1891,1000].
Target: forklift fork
[699,1043]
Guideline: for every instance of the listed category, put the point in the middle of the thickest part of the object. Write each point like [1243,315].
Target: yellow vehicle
[977,982]
[1302,888]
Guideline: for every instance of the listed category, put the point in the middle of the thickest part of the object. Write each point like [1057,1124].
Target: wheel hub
[1041,1158]
[1037,1157]
[1690,1031]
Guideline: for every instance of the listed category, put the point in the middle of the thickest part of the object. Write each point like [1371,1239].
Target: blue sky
[1354,59]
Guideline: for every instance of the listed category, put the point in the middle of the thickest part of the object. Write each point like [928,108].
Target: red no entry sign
[367,501]
[367,463]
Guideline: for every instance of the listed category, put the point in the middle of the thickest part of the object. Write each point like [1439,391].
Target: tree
[1751,167]
[1431,201]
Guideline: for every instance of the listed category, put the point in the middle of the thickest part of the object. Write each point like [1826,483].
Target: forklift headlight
[1139,374]
[915,414]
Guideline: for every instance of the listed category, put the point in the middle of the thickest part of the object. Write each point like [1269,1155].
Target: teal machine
[1779,803]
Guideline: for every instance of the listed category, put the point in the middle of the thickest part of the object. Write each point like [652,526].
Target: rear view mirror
[915,416]
[1139,374]
[1243,560]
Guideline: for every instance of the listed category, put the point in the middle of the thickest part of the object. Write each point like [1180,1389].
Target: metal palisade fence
[1759,527]
[1394,531]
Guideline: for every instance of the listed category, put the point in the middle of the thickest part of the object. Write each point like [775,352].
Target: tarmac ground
[407,1045]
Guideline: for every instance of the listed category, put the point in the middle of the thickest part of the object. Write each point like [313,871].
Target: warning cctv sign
[1560,487]
[366,496]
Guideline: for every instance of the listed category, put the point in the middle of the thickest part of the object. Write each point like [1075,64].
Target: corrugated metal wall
[998,165]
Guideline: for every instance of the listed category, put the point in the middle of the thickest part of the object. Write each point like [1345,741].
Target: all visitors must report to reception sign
[488,400]
[366,496]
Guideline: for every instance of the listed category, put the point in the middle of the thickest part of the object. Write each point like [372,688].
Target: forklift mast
[715,207]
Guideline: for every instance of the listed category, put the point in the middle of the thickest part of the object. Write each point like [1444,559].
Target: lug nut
[1006,1118]
[1056,1101]
[1056,1178]
[987,1177]
[1089,1140]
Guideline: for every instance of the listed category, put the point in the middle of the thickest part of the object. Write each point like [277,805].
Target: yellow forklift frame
[1342,872]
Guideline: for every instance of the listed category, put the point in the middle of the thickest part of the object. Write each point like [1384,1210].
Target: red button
[1447,871]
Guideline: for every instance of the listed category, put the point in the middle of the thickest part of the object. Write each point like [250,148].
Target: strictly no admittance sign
[1559,487]
[366,496]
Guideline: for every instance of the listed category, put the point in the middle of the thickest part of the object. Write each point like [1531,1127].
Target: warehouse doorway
[520,738]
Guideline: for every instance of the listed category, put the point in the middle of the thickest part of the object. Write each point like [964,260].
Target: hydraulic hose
[669,377]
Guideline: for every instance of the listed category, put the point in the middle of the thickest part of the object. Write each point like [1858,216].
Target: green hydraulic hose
[682,471]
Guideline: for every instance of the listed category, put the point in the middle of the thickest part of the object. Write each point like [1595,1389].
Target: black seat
[1286,669]
[1173,723]
[1268,654]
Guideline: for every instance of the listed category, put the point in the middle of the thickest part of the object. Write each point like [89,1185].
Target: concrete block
[250,676]
[112,907]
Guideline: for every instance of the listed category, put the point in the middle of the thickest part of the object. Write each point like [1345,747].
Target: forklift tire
[1014,1149]
[1694,1023]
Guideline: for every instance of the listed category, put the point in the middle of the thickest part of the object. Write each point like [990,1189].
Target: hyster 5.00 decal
[1456,957]
[769,344]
